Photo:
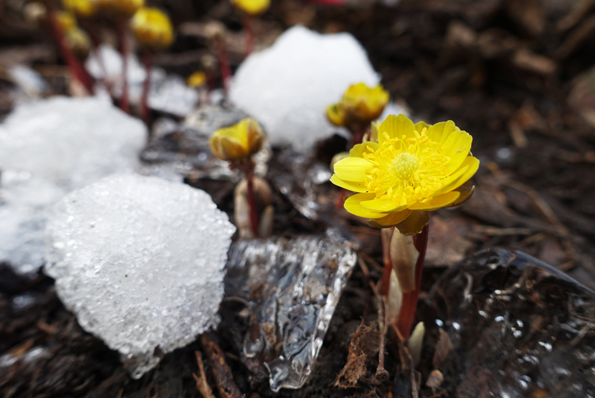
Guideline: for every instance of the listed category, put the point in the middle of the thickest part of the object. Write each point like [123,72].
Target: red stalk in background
[250,37]
[76,67]
[223,64]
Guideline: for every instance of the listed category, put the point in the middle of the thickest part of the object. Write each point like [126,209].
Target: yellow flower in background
[78,41]
[126,7]
[196,79]
[66,20]
[238,141]
[252,7]
[360,104]
[411,170]
[81,8]
[151,28]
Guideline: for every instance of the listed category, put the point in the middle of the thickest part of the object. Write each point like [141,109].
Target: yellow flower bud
[78,41]
[196,79]
[238,141]
[252,7]
[66,20]
[151,28]
[81,8]
[360,104]
[126,7]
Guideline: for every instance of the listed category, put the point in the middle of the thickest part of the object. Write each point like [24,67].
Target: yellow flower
[238,141]
[78,41]
[126,7]
[81,8]
[196,79]
[360,104]
[152,28]
[66,20]
[252,7]
[411,170]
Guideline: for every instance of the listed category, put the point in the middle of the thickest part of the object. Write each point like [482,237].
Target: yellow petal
[457,147]
[395,126]
[419,126]
[437,201]
[439,132]
[462,175]
[336,115]
[382,205]
[353,205]
[350,186]
[352,169]
[359,149]
[390,220]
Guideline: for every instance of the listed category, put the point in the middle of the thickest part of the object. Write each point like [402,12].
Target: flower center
[406,170]
[405,165]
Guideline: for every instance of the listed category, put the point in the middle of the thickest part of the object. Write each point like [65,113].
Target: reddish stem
[388,265]
[250,37]
[409,306]
[223,64]
[144,106]
[252,200]
[123,37]
[96,43]
[341,199]
[75,66]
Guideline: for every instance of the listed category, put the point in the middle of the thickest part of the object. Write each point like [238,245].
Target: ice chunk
[292,287]
[48,148]
[140,261]
[288,86]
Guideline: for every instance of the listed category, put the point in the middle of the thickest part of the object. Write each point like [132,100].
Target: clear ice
[288,86]
[48,148]
[140,261]
[299,283]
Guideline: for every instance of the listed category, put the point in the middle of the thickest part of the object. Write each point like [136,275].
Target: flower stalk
[124,51]
[76,67]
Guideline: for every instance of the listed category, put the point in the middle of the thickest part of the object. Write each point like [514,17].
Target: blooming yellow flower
[152,28]
[196,79]
[238,141]
[411,170]
[81,8]
[252,7]
[360,104]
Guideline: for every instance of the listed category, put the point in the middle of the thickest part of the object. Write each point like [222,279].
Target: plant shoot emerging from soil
[237,144]
[409,171]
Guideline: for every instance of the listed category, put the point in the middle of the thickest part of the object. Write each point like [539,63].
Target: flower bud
[238,141]
[197,79]
[81,8]
[151,28]
[360,104]
[78,41]
[252,7]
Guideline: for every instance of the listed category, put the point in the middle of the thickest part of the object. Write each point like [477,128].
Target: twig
[223,377]
[201,382]
[381,373]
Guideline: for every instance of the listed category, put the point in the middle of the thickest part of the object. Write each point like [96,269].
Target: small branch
[201,382]
[381,373]
[223,377]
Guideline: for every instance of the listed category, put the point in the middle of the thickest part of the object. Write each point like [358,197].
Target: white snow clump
[47,149]
[140,261]
[289,86]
